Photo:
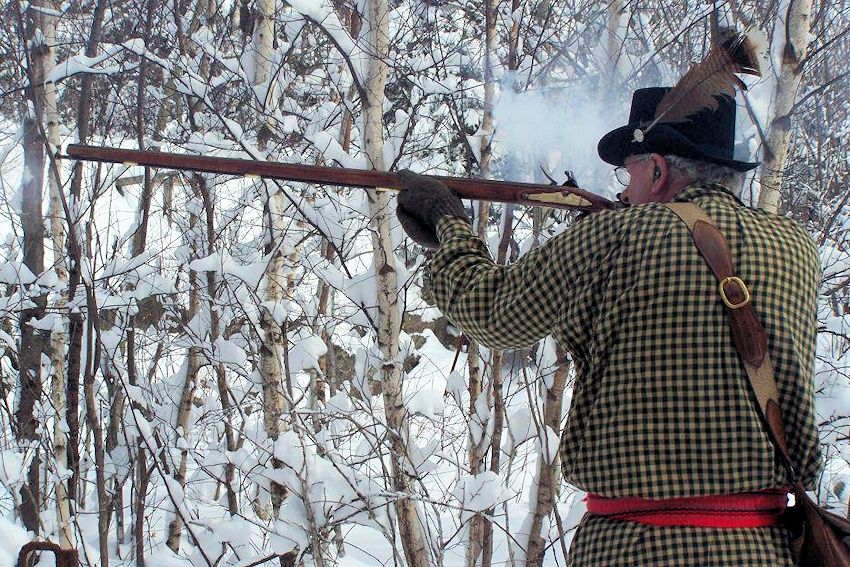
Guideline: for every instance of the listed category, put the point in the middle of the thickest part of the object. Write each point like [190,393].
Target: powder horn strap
[748,334]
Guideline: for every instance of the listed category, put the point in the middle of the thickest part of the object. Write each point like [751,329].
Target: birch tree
[503,256]
[479,407]
[790,44]
[33,345]
[545,489]
[376,22]
[387,453]
[58,336]
[191,365]
[274,336]
[613,41]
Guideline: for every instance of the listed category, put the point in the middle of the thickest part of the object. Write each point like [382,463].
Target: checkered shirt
[661,406]
[601,542]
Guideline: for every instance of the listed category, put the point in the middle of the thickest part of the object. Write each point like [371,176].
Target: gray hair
[705,172]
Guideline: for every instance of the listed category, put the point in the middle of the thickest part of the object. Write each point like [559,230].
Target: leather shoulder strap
[748,334]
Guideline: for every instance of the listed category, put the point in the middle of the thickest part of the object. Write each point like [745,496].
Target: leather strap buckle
[741,284]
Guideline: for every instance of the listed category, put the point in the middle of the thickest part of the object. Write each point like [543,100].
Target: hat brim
[618,144]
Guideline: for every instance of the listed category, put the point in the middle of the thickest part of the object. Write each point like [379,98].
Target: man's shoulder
[641,217]
[721,201]
[785,228]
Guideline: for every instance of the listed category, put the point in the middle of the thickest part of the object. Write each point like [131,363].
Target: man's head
[647,179]
[662,158]
[656,178]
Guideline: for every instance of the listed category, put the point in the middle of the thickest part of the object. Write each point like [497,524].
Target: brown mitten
[422,202]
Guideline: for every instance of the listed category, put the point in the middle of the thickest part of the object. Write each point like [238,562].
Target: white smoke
[557,129]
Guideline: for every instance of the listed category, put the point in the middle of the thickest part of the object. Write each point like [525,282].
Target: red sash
[746,510]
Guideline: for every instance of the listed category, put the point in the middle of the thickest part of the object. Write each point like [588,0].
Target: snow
[50,322]
[13,467]
[520,427]
[427,403]
[332,150]
[481,424]
[446,85]
[228,352]
[12,538]
[221,263]
[289,530]
[81,64]
[339,402]
[212,263]
[305,354]
[16,273]
[323,13]
[478,493]
[333,456]
[836,263]
[42,9]
[456,383]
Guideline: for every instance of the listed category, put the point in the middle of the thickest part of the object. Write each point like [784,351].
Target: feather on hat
[696,117]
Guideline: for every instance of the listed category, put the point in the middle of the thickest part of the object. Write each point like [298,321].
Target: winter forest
[199,370]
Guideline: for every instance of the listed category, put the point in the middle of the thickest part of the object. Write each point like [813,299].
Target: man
[661,407]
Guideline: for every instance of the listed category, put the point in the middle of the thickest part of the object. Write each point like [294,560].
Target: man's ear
[659,174]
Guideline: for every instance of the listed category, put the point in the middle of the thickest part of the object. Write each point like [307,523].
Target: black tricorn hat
[708,135]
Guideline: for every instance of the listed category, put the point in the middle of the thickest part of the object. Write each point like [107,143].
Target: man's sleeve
[515,306]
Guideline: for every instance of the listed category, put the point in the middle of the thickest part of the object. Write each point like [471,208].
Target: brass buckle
[742,285]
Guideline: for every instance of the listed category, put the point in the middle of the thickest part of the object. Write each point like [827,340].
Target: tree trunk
[142,480]
[184,412]
[613,40]
[479,524]
[794,36]
[33,343]
[209,199]
[184,409]
[221,377]
[58,337]
[498,417]
[93,421]
[497,357]
[138,244]
[193,357]
[118,403]
[389,319]
[547,465]
[261,45]
[271,369]
[75,331]
[271,347]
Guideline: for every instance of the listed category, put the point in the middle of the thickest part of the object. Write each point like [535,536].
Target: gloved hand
[422,202]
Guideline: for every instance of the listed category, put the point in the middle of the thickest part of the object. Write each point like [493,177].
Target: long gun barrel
[560,196]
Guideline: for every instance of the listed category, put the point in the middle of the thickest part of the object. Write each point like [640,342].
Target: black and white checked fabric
[661,406]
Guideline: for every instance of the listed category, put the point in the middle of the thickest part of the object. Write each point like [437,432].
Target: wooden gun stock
[562,196]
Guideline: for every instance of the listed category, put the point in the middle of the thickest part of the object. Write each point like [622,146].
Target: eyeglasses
[622,173]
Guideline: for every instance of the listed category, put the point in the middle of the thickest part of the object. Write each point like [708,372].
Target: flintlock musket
[559,196]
